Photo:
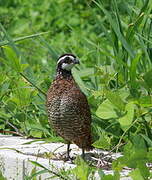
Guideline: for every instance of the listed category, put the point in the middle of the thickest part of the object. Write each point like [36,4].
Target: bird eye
[67,60]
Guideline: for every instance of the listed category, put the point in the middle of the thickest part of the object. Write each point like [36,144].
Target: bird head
[66,62]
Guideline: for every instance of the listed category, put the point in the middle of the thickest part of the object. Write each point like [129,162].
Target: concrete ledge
[15,156]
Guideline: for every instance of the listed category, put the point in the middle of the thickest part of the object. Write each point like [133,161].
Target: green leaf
[149,155]
[145,101]
[108,177]
[39,165]
[36,133]
[23,38]
[97,94]
[106,110]
[79,81]
[82,170]
[136,174]
[139,144]
[22,97]
[127,119]
[118,164]
[104,142]
[132,27]
[148,78]
[144,7]
[134,156]
[143,169]
[23,94]
[147,139]
[34,175]
[116,29]
[101,173]
[5,87]
[2,177]
[11,56]
[115,99]
[24,66]
[86,72]
[33,172]
[116,176]
[133,70]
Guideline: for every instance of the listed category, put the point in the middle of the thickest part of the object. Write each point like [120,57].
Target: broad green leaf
[148,78]
[5,87]
[24,66]
[118,164]
[149,156]
[145,101]
[143,169]
[82,169]
[23,94]
[136,174]
[127,119]
[22,97]
[138,142]
[35,128]
[97,94]
[108,177]
[21,116]
[14,62]
[106,110]
[5,115]
[103,142]
[36,133]
[134,154]
[115,99]
[116,176]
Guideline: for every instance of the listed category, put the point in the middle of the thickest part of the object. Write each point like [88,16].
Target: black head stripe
[67,54]
[66,58]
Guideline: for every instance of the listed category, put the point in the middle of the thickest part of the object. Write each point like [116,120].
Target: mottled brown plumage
[68,109]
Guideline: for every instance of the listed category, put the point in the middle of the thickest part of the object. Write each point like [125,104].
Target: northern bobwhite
[68,109]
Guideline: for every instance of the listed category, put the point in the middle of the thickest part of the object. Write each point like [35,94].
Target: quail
[67,106]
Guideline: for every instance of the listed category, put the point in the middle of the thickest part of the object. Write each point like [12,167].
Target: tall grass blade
[3,43]
[114,26]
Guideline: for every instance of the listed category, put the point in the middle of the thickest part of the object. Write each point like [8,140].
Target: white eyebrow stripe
[61,59]
[71,57]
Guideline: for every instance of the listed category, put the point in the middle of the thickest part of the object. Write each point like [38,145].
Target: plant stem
[32,84]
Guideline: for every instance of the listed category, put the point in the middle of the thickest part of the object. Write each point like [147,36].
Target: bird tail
[84,142]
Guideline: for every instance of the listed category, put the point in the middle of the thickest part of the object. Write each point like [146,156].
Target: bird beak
[76,61]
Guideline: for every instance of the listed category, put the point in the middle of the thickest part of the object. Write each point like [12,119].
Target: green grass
[112,39]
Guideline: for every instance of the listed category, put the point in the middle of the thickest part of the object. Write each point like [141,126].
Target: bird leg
[68,150]
[83,154]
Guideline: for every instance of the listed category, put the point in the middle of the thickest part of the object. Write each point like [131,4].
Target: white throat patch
[67,66]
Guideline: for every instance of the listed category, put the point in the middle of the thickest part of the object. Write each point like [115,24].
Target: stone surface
[16,154]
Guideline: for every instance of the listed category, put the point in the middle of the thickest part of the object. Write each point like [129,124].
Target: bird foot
[65,157]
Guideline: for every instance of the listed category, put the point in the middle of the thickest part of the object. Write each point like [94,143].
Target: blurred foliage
[113,39]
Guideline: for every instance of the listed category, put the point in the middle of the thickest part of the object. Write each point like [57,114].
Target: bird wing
[74,106]
[75,101]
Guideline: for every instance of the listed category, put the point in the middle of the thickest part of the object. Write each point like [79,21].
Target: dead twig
[11,132]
